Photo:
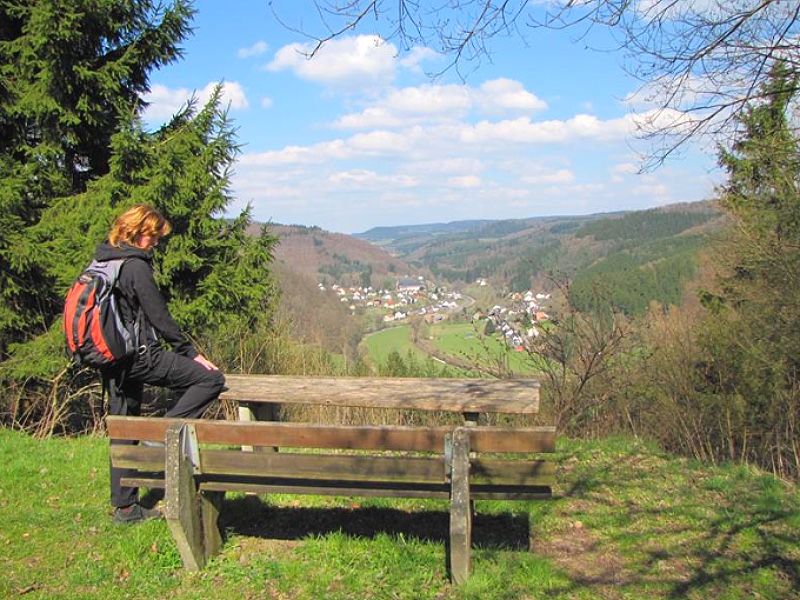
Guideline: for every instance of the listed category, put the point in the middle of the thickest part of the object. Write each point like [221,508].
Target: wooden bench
[203,459]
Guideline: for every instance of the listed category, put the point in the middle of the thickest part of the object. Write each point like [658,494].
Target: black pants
[124,385]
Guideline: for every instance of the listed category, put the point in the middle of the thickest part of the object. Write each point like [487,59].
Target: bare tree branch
[703,60]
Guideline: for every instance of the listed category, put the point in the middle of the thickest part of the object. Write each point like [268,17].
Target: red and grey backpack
[96,335]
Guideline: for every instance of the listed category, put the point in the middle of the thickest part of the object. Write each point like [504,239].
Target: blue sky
[362,136]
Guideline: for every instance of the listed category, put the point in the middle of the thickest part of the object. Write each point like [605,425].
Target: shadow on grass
[657,535]
[251,516]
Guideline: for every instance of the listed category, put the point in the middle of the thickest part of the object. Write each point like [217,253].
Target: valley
[336,286]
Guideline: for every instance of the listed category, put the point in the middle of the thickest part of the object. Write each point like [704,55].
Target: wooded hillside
[634,257]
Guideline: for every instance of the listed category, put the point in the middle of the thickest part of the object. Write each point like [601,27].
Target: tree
[702,63]
[216,275]
[751,339]
[577,355]
[74,154]
[70,73]
[763,165]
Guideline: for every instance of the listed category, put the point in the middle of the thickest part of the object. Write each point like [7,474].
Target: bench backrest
[355,437]
[357,460]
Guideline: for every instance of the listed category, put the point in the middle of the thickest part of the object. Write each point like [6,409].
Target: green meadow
[626,521]
[382,343]
[463,342]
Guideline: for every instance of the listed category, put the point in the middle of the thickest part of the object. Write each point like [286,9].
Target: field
[463,340]
[458,342]
[381,344]
[626,522]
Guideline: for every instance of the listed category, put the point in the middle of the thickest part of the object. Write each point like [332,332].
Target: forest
[700,354]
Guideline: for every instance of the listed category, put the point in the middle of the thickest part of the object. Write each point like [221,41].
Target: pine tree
[215,273]
[763,166]
[70,73]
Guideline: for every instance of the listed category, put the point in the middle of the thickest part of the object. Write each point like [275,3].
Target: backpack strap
[139,321]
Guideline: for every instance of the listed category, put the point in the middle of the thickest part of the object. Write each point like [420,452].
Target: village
[409,297]
[518,319]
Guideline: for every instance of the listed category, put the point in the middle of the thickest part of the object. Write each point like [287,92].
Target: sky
[362,135]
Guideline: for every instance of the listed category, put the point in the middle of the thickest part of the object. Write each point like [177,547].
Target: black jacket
[138,289]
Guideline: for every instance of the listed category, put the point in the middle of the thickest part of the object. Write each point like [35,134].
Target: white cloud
[233,94]
[542,177]
[411,105]
[627,168]
[506,94]
[622,171]
[376,116]
[436,103]
[289,155]
[429,99]
[346,64]
[446,164]
[465,181]
[417,154]
[364,178]
[380,143]
[525,131]
[653,189]
[416,56]
[266,102]
[456,148]
[256,49]
[166,102]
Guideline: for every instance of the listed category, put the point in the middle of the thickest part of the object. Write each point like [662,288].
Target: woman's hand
[205,362]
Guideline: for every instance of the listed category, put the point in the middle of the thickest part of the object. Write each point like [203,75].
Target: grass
[457,340]
[462,341]
[627,522]
[382,343]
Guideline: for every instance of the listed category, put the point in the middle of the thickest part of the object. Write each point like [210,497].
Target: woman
[133,236]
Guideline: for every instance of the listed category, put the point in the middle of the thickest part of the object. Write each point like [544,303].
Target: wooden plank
[510,492]
[291,435]
[324,467]
[510,396]
[460,509]
[300,435]
[137,428]
[151,483]
[513,439]
[210,506]
[484,470]
[513,472]
[138,457]
[374,489]
[181,502]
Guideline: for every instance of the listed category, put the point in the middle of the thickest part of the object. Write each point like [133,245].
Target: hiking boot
[135,513]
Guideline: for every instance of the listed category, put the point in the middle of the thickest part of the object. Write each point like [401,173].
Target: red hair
[137,221]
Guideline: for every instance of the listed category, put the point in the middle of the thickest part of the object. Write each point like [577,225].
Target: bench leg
[258,411]
[460,509]
[182,501]
[210,504]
